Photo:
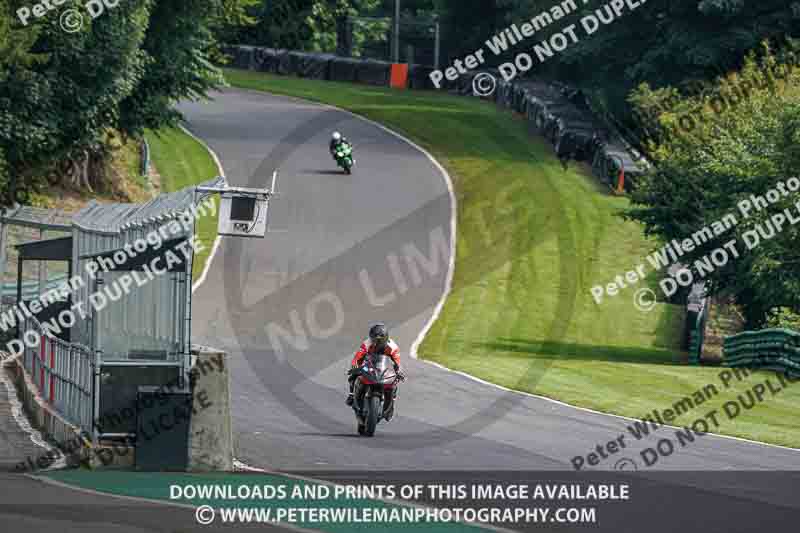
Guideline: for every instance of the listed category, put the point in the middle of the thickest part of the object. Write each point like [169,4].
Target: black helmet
[379,335]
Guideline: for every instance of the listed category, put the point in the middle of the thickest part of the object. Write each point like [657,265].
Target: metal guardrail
[63,373]
[767,349]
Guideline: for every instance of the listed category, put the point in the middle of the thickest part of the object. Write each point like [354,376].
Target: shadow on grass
[566,351]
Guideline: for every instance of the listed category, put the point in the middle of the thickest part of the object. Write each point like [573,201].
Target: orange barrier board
[399,79]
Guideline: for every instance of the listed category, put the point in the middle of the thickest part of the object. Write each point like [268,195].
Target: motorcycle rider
[336,140]
[378,342]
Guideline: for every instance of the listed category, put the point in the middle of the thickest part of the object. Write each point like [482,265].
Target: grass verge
[182,161]
[532,240]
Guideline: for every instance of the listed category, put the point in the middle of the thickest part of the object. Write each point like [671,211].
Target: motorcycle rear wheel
[373,413]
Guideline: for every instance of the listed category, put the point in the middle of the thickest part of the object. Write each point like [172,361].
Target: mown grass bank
[532,241]
[182,161]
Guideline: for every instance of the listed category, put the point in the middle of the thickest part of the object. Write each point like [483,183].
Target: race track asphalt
[291,308]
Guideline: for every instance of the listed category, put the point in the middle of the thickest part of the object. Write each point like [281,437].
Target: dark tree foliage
[467,24]
[56,111]
[176,67]
[65,94]
[279,24]
[673,43]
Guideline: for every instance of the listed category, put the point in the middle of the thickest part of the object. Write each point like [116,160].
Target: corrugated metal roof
[110,218]
[37,217]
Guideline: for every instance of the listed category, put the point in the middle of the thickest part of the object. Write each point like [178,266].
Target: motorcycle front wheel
[373,414]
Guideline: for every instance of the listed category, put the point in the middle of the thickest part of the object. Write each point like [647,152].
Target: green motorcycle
[344,157]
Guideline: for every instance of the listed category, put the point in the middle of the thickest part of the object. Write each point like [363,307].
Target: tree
[467,24]
[176,48]
[15,57]
[327,22]
[63,95]
[734,151]
[277,23]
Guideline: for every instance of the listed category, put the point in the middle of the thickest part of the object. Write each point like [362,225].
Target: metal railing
[62,371]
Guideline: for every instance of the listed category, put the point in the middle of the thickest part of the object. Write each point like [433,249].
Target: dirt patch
[724,320]
[122,183]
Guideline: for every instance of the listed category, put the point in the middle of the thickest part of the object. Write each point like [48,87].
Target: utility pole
[437,45]
[396,33]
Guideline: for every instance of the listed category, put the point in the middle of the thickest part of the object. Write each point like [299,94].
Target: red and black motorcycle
[374,392]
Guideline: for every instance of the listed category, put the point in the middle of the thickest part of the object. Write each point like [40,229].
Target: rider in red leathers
[378,342]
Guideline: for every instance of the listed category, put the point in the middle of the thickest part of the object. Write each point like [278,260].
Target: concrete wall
[210,432]
[43,418]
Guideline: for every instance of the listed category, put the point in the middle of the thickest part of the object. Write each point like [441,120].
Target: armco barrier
[768,349]
[558,112]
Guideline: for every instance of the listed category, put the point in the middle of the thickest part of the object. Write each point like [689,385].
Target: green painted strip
[156,486]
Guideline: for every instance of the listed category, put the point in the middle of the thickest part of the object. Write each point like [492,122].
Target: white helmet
[337,136]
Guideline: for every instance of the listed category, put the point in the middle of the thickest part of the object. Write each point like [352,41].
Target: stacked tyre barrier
[556,111]
[769,349]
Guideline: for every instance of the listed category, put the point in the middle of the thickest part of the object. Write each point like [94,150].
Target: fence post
[42,358]
[52,371]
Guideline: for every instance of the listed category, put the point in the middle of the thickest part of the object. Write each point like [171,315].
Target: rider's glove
[352,372]
[401,376]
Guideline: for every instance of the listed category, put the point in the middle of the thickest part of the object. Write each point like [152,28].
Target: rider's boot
[388,412]
[349,400]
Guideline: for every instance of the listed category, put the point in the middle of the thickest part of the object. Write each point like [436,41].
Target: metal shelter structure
[117,316]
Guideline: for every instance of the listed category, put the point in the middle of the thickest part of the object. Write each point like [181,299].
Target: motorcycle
[376,382]
[344,157]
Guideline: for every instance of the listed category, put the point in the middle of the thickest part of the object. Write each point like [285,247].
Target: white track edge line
[218,239]
[588,410]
